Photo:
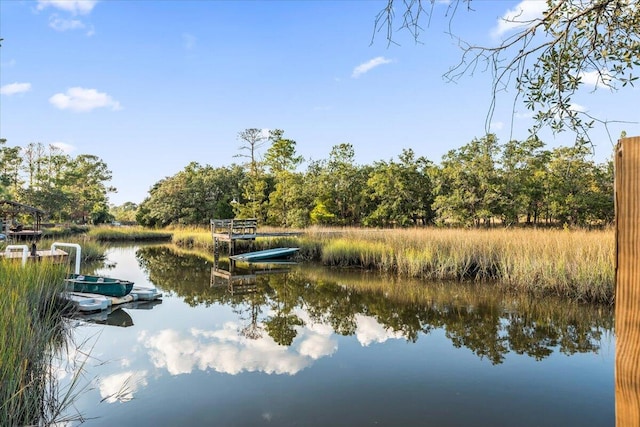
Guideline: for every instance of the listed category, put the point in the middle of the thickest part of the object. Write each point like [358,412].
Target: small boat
[87,303]
[277,253]
[143,293]
[98,285]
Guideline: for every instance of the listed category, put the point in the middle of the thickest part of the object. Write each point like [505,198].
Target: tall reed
[574,263]
[192,237]
[128,234]
[31,327]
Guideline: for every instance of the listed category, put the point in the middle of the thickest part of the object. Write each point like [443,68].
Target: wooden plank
[627,312]
[55,256]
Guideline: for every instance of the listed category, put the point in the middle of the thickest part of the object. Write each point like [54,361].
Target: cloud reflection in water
[226,351]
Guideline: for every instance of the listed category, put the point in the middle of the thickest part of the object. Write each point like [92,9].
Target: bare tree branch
[547,58]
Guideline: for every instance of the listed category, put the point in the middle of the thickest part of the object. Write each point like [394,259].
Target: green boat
[98,285]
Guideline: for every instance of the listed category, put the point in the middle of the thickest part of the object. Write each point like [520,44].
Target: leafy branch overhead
[546,57]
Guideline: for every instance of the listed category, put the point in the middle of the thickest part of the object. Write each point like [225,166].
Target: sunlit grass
[578,264]
[192,237]
[572,263]
[127,234]
[90,250]
[30,326]
[60,231]
[575,263]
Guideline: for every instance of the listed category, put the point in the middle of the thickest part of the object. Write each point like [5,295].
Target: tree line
[479,184]
[73,189]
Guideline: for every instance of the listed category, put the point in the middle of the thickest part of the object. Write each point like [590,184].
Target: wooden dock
[230,231]
[17,252]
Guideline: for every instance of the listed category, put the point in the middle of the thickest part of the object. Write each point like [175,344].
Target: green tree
[288,205]
[253,202]
[522,180]
[192,196]
[602,209]
[575,186]
[85,182]
[468,187]
[10,163]
[320,215]
[34,163]
[339,185]
[400,191]
[125,213]
[253,199]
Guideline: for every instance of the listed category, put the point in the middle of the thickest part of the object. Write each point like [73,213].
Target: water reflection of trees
[489,323]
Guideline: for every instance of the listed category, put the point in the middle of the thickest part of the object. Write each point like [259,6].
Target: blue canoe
[277,253]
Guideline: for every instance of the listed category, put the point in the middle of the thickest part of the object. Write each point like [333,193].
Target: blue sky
[149,86]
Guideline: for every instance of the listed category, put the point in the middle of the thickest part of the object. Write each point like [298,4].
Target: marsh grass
[128,234]
[577,264]
[91,250]
[60,231]
[31,327]
[192,237]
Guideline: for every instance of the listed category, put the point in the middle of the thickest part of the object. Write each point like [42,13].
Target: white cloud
[120,387]
[369,331]
[222,350]
[14,88]
[578,108]
[66,148]
[189,41]
[225,350]
[369,65]
[595,78]
[520,16]
[76,7]
[81,100]
[525,115]
[61,24]
[316,346]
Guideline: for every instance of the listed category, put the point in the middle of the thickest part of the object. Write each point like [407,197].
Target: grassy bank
[127,234]
[192,237]
[30,327]
[576,264]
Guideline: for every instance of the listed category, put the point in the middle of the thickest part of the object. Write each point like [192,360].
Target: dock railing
[233,229]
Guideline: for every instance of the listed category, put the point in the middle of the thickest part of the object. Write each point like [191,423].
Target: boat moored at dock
[267,254]
[100,285]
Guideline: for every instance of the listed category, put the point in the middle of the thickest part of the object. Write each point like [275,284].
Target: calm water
[306,346]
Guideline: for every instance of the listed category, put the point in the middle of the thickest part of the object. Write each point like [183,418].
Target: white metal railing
[70,245]
[25,251]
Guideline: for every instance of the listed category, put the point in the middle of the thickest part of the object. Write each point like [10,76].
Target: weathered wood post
[627,312]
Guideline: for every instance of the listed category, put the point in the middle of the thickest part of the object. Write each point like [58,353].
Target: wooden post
[627,312]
